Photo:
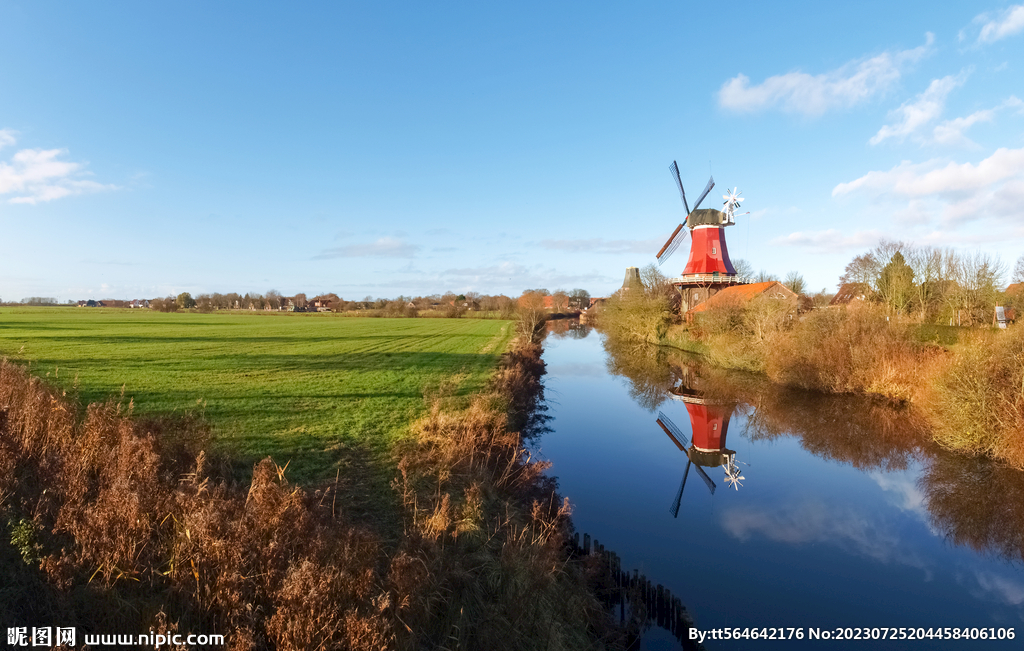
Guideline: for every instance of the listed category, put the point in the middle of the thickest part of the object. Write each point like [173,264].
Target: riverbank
[969,391]
[117,523]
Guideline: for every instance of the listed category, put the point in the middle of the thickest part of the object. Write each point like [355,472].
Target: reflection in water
[971,501]
[977,503]
[849,514]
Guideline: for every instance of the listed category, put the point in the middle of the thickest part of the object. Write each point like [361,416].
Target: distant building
[1003,316]
[851,293]
[743,294]
[1015,289]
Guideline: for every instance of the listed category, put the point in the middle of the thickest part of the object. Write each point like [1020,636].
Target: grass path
[313,389]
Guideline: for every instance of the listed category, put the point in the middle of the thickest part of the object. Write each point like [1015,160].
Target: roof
[744,293]
[850,292]
[1014,288]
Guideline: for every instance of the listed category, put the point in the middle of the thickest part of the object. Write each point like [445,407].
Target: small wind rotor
[678,236]
[732,473]
[732,202]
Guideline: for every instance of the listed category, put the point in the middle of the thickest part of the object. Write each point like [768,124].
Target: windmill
[683,444]
[708,269]
[679,235]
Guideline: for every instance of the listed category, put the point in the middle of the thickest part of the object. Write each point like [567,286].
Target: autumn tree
[559,300]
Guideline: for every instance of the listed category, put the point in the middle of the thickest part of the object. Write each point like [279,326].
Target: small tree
[743,268]
[185,301]
[559,300]
[1018,270]
[896,284]
[795,282]
[579,299]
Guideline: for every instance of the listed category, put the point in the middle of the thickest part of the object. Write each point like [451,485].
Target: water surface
[846,516]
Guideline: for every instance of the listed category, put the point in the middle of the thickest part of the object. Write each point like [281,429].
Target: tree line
[448,303]
[934,284]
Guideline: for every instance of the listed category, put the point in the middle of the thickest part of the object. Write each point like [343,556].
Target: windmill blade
[674,509]
[673,431]
[711,184]
[707,480]
[682,193]
[678,237]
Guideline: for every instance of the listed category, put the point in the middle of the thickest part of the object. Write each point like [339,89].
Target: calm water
[847,516]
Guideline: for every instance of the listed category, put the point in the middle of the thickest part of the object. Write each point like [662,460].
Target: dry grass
[484,557]
[978,403]
[119,524]
[849,351]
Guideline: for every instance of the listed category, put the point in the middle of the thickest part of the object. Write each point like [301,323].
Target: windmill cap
[706,217]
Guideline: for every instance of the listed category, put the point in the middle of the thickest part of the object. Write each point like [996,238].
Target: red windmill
[709,268]
[709,423]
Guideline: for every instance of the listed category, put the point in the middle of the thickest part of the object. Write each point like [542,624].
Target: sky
[386,148]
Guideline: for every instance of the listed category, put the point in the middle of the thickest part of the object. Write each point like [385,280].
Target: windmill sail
[679,181]
[707,480]
[674,509]
[673,431]
[678,237]
[711,184]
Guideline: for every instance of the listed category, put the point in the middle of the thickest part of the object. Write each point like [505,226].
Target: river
[842,514]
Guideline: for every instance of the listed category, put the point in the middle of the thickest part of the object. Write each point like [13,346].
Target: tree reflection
[977,503]
[972,501]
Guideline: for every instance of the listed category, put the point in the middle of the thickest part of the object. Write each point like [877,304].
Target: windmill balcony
[711,279]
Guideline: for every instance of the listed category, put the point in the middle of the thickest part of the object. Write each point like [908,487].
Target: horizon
[389,150]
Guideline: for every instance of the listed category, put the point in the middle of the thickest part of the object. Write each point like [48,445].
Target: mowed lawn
[313,389]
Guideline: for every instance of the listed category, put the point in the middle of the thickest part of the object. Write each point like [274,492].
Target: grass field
[314,389]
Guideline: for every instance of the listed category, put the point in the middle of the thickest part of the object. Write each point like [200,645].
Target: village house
[851,293]
[743,294]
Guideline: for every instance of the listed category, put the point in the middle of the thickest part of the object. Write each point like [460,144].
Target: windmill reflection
[709,423]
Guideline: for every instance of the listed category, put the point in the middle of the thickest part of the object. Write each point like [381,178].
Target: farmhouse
[743,294]
[851,293]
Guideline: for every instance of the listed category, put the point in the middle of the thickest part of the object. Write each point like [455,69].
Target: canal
[798,511]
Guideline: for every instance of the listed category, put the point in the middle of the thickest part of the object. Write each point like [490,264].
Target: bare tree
[743,268]
[559,300]
[795,282]
[863,268]
[1018,270]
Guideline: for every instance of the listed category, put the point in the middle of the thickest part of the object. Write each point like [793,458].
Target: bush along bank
[972,393]
[114,524]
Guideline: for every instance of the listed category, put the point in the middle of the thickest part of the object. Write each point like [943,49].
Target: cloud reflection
[814,522]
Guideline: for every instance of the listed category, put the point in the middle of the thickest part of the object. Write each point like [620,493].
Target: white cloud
[385,247]
[829,241]
[911,116]
[7,138]
[996,27]
[815,523]
[994,187]
[601,245]
[951,132]
[511,273]
[37,175]
[1002,588]
[799,92]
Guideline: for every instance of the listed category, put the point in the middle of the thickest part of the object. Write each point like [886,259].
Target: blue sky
[384,148]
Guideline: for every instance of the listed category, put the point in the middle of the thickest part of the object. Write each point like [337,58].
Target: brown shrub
[978,404]
[849,351]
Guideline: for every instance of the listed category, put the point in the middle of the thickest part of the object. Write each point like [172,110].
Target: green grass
[314,389]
